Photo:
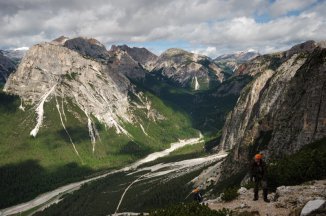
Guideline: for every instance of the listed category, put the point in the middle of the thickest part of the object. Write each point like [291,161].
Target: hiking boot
[267,200]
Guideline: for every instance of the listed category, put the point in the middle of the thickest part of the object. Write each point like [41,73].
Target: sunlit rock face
[284,106]
[65,73]
[189,70]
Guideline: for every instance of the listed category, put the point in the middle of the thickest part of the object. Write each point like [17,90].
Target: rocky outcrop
[287,200]
[60,40]
[313,207]
[308,46]
[7,66]
[51,71]
[188,69]
[141,55]
[286,101]
[281,110]
[301,113]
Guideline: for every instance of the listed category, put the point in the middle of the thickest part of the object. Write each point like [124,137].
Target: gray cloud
[217,26]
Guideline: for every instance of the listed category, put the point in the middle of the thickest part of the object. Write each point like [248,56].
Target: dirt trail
[287,200]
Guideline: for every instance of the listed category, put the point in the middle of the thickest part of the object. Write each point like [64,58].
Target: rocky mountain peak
[51,71]
[239,57]
[60,40]
[87,47]
[188,69]
[141,55]
[175,51]
[307,46]
[121,62]
[231,62]
[180,55]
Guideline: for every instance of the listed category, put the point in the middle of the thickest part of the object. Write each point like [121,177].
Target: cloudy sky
[210,27]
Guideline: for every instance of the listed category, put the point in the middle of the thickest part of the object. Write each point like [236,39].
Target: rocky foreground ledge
[305,199]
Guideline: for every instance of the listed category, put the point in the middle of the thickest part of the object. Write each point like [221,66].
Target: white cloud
[224,25]
[209,51]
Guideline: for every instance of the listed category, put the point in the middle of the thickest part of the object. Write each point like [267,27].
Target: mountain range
[71,108]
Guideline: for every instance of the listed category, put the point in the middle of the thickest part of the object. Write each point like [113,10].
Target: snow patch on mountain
[40,112]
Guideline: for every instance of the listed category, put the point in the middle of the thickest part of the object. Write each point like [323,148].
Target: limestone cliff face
[188,69]
[301,115]
[51,71]
[283,108]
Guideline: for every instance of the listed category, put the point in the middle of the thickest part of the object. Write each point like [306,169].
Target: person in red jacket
[258,175]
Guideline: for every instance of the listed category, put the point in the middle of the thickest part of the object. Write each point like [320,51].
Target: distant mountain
[122,59]
[241,56]
[15,54]
[60,40]
[189,70]
[7,66]
[230,62]
[141,55]
[87,47]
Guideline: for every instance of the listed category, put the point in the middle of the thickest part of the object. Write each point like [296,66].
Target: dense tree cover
[96,198]
[23,181]
[157,193]
[102,197]
[206,109]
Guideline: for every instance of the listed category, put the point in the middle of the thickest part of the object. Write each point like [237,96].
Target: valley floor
[161,169]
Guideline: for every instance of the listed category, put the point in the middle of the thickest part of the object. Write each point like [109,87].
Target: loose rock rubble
[287,200]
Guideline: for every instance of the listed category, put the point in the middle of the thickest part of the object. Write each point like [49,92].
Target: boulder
[312,206]
[242,190]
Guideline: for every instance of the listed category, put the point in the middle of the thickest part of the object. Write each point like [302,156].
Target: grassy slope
[51,154]
[50,157]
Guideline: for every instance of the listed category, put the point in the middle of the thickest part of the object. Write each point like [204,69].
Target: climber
[258,175]
[197,195]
